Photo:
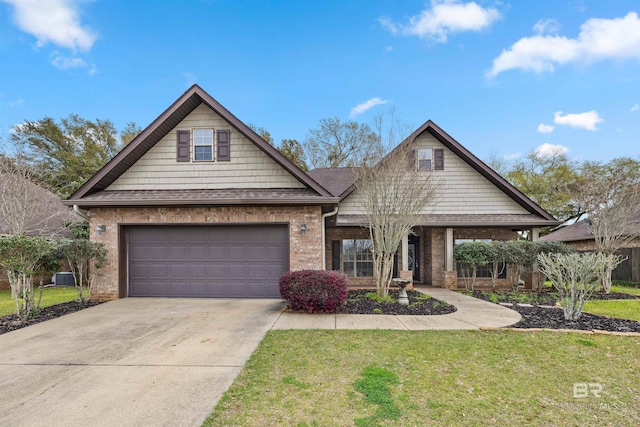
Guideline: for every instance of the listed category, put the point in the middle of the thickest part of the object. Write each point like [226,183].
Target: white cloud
[547,150]
[445,17]
[635,108]
[546,26]
[542,128]
[599,40]
[361,108]
[17,103]
[587,120]
[64,62]
[53,21]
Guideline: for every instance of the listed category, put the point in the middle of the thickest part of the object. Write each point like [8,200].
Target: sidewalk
[472,313]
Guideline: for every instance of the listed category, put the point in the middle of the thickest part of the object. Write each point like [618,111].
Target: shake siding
[249,167]
[462,188]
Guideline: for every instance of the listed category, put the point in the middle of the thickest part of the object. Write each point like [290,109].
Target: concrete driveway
[130,362]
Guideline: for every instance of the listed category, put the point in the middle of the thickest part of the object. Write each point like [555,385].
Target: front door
[414,256]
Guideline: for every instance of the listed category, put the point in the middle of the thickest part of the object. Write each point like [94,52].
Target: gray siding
[249,167]
[462,188]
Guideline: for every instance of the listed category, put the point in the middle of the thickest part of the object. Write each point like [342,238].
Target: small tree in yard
[470,255]
[392,197]
[575,276]
[518,255]
[609,194]
[23,257]
[84,258]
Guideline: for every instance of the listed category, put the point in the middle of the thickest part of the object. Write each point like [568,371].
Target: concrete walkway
[472,313]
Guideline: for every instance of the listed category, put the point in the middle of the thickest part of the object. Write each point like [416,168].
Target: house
[31,210]
[579,235]
[198,205]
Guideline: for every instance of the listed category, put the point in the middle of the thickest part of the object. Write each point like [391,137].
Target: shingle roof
[288,196]
[461,220]
[336,180]
[580,230]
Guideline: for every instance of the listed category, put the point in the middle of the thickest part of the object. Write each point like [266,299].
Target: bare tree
[610,195]
[337,144]
[26,208]
[392,197]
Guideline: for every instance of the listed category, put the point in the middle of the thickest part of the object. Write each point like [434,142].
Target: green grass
[440,378]
[50,296]
[623,309]
[625,290]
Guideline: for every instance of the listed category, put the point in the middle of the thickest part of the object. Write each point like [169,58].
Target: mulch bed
[543,314]
[11,322]
[358,303]
[553,318]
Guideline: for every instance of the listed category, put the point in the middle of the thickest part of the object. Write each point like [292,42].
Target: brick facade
[305,250]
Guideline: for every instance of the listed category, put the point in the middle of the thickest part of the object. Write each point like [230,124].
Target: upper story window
[203,144]
[425,159]
[429,159]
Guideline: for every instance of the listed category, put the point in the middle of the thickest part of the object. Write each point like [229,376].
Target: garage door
[207,261]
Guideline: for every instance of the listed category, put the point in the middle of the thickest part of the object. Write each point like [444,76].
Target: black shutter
[335,255]
[183,145]
[224,145]
[438,155]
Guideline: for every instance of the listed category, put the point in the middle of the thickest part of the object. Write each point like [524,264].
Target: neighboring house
[32,210]
[579,235]
[198,205]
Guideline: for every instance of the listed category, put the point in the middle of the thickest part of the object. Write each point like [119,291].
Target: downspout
[324,244]
[77,210]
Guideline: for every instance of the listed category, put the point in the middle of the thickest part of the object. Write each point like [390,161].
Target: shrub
[314,290]
[626,283]
[471,255]
[575,276]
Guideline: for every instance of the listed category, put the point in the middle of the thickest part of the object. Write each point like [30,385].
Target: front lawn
[441,378]
[50,296]
[623,309]
[625,290]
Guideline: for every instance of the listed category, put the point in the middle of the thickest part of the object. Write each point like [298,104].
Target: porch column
[405,252]
[532,280]
[449,249]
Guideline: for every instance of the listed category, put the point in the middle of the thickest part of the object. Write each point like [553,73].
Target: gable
[462,188]
[248,166]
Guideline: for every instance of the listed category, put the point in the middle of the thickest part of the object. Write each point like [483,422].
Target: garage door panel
[207,261]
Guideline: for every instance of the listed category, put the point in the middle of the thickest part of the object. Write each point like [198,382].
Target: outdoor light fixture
[101,228]
[303,229]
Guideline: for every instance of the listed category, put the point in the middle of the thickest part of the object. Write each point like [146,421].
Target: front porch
[427,253]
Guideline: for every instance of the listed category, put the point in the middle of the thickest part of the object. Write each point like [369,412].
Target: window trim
[212,145]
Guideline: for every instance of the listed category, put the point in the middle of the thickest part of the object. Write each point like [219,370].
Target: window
[357,258]
[203,144]
[425,156]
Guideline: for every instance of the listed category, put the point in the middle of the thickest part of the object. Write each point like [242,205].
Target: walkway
[472,313]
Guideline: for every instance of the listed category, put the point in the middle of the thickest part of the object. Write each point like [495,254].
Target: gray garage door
[207,261]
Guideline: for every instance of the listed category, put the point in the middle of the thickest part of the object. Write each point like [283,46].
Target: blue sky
[503,78]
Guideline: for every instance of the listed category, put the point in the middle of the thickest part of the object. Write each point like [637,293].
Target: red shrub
[313,290]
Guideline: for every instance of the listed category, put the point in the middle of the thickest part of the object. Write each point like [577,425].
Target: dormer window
[203,144]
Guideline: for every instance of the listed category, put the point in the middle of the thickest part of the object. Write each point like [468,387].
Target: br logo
[582,390]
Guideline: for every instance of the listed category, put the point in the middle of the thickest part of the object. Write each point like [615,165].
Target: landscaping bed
[553,318]
[361,302]
[11,322]
[538,310]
